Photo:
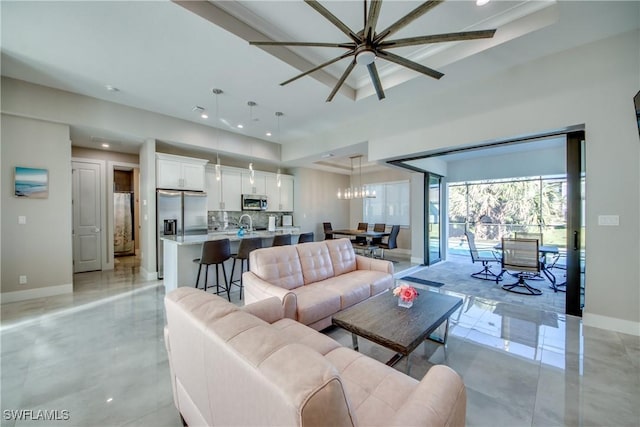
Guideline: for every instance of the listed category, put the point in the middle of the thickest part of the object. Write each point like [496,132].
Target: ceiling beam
[221,18]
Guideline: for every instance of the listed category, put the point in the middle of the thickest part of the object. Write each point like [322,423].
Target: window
[391,205]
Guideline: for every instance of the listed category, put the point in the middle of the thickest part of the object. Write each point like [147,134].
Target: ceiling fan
[368,44]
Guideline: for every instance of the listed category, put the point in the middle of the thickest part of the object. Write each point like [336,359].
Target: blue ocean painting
[31,182]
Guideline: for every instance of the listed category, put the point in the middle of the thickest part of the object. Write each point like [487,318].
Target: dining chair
[486,257]
[361,240]
[378,228]
[521,256]
[391,242]
[527,235]
[328,235]
[538,236]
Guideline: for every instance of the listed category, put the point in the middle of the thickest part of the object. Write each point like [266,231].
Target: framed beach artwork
[32,183]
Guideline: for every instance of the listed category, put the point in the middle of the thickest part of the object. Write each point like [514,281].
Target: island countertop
[181,251]
[231,235]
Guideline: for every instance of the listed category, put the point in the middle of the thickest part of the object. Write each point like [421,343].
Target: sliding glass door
[575,264]
[433,223]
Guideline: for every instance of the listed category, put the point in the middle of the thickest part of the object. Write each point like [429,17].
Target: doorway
[433,220]
[570,164]
[125,212]
[87,216]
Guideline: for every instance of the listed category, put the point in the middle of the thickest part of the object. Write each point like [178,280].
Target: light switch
[22,220]
[609,220]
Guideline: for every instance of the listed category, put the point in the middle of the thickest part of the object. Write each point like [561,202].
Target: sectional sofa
[315,280]
[252,366]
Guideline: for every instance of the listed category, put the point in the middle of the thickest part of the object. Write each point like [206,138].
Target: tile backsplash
[220,220]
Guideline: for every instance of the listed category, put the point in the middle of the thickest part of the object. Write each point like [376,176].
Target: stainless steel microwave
[253,202]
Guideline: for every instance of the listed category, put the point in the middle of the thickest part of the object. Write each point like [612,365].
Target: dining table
[368,235]
[361,233]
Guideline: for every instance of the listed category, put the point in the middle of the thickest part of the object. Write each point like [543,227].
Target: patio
[456,271]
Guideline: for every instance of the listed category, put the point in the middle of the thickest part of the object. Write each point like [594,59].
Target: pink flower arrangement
[406,293]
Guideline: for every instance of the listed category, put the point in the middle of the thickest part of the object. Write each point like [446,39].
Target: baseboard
[611,323]
[416,260]
[146,275]
[47,291]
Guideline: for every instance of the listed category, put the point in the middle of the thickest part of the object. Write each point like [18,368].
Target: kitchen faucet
[250,221]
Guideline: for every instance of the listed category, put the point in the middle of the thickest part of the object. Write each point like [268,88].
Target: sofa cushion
[352,289]
[315,262]
[315,302]
[343,258]
[378,281]
[277,265]
[376,391]
[297,332]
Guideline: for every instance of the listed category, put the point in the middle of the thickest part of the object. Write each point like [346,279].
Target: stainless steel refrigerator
[179,213]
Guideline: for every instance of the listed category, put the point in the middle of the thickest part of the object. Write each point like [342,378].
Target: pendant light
[278,174]
[218,171]
[252,174]
[357,192]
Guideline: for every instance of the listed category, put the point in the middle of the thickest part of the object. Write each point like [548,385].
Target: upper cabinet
[180,173]
[255,187]
[280,198]
[226,193]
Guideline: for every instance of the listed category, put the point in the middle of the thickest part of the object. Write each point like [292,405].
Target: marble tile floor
[106,364]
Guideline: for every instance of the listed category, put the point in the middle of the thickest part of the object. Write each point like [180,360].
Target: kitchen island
[180,251]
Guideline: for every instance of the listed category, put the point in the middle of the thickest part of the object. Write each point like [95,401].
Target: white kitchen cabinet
[286,193]
[231,190]
[258,186]
[224,195]
[180,173]
[280,199]
[273,193]
[214,190]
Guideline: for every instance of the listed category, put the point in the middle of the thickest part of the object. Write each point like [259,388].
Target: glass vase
[405,304]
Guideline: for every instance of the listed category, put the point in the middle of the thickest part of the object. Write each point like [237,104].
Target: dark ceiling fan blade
[375,79]
[438,38]
[408,18]
[372,19]
[345,55]
[332,18]
[409,64]
[310,44]
[341,81]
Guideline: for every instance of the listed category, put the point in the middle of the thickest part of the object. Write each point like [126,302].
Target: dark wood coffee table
[380,320]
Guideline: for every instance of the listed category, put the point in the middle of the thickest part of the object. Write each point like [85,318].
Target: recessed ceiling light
[240,126]
[482,2]
[204,116]
[105,145]
[111,88]
[268,133]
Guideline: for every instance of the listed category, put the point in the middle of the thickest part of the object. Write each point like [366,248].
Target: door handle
[576,241]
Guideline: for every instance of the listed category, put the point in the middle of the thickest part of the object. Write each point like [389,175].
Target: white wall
[591,85]
[356,205]
[551,161]
[42,248]
[148,210]
[315,201]
[30,100]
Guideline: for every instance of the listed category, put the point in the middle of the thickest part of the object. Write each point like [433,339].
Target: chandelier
[359,192]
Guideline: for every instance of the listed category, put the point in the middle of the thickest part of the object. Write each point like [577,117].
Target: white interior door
[87,242]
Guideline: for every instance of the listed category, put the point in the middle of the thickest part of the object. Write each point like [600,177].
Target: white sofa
[315,280]
[251,366]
